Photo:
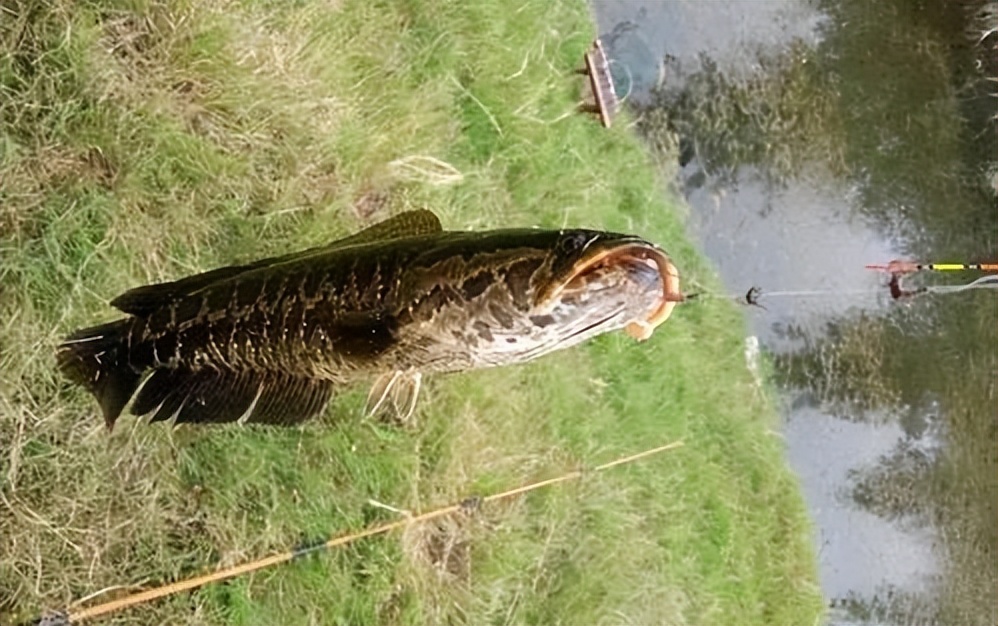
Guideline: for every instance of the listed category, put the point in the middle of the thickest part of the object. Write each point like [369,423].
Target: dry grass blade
[442,544]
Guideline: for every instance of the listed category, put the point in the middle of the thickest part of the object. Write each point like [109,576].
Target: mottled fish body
[271,340]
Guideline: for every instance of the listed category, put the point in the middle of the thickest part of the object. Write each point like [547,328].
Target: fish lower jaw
[640,330]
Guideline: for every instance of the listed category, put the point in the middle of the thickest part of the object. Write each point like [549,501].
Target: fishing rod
[70,616]
[910,267]
[898,269]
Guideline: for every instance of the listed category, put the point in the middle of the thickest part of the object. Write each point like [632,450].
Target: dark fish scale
[233,344]
[501,315]
[311,287]
[477,284]
[166,348]
[483,330]
[351,292]
[373,287]
[542,320]
[261,321]
[517,277]
[427,306]
[267,303]
[247,295]
[216,351]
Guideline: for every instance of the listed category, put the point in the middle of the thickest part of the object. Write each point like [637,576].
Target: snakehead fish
[270,341]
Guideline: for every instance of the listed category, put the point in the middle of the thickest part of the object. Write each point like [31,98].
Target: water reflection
[643,32]
[827,451]
[815,138]
[790,238]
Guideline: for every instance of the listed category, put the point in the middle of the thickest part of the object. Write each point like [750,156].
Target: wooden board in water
[598,70]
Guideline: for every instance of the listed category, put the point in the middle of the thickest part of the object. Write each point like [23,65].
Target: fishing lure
[271,341]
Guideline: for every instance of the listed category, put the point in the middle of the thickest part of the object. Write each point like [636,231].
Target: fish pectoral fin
[394,395]
[405,394]
[219,396]
[380,391]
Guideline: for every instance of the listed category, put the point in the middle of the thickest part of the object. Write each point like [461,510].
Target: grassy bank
[141,143]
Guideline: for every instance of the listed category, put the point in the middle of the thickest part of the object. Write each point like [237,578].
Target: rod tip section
[896,267]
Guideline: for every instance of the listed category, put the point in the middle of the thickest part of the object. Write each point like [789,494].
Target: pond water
[817,137]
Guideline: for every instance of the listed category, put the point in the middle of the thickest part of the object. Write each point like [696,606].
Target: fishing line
[72,616]
[630,78]
[984,282]
[756,295]
[814,292]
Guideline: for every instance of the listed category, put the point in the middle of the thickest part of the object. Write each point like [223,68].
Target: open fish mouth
[635,257]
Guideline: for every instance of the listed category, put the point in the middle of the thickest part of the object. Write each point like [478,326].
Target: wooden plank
[601,84]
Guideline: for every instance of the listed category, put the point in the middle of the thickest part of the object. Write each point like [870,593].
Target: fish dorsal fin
[408,224]
[144,300]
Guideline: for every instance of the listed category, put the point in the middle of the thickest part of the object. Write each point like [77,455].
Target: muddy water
[816,137]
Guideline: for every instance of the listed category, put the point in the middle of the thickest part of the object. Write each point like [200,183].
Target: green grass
[140,142]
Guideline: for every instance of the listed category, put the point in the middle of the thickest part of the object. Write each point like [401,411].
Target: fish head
[600,281]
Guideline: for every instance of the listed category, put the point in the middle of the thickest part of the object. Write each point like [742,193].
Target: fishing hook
[752,297]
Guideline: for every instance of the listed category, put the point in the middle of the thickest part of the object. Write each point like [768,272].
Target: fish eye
[576,241]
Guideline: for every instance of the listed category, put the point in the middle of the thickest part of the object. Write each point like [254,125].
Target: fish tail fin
[97,358]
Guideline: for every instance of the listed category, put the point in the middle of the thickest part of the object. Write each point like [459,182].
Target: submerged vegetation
[142,141]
